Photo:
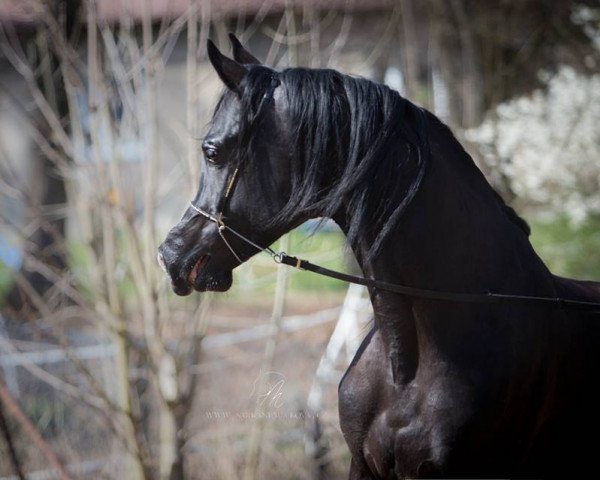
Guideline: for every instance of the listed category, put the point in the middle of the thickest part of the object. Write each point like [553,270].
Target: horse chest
[390,430]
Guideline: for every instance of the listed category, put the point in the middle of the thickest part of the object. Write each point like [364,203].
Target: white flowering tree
[547,144]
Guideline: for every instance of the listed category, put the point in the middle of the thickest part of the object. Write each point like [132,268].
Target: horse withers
[438,388]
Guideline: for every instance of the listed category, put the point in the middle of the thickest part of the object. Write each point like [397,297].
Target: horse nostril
[161,262]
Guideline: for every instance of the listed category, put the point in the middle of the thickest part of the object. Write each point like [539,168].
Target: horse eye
[210,154]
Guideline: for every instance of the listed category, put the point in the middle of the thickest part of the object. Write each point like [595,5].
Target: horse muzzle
[199,271]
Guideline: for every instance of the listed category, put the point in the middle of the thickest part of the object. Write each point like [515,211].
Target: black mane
[350,134]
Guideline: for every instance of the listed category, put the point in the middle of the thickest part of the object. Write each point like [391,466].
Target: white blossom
[548,144]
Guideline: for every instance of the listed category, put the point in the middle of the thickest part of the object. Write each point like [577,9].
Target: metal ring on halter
[220,222]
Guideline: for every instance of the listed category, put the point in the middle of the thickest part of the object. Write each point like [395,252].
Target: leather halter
[460,297]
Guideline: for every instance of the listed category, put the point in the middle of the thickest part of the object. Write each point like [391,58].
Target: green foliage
[330,246]
[569,250]
[326,248]
[6,280]
[80,262]
[47,414]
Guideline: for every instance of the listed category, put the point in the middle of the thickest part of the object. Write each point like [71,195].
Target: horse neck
[454,237]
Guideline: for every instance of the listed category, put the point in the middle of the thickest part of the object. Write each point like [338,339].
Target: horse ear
[230,71]
[240,54]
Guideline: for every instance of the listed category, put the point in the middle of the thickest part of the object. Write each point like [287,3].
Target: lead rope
[282,257]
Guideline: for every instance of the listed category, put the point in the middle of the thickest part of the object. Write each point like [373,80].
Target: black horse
[437,388]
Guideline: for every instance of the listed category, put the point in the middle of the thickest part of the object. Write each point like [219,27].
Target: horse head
[244,181]
[286,146]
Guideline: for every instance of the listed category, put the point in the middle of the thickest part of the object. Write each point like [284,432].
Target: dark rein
[282,257]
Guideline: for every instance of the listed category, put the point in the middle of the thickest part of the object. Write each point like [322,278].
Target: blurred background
[104,372]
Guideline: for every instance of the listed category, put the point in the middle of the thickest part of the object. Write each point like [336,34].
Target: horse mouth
[204,276]
[193,275]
